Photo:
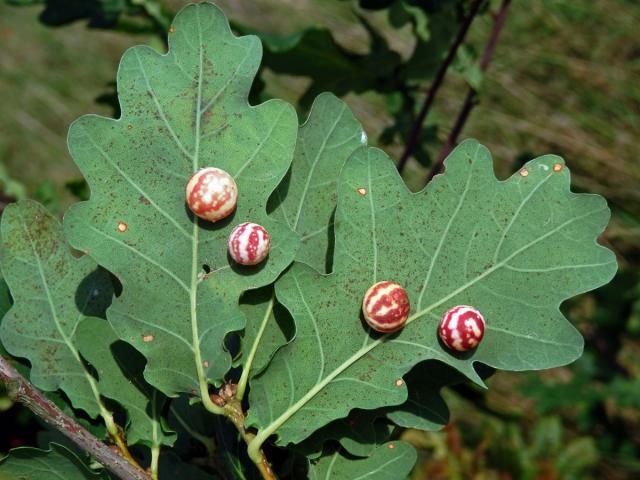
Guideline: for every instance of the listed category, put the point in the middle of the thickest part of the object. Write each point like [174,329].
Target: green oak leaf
[363,431]
[514,249]
[359,434]
[181,111]
[425,409]
[269,327]
[307,197]
[26,463]
[391,461]
[305,200]
[46,282]
[53,320]
[119,368]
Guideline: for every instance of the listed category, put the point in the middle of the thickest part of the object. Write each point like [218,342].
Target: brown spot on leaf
[147,338]
[557,167]
[391,446]
[362,191]
[399,382]
[172,29]
[206,364]
[144,200]
[122,227]
[129,126]
[524,172]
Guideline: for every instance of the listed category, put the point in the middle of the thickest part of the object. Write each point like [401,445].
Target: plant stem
[155,456]
[437,82]
[21,390]
[472,94]
[244,378]
[116,435]
[155,447]
[234,413]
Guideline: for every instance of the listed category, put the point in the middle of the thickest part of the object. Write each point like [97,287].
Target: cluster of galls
[386,309]
[212,194]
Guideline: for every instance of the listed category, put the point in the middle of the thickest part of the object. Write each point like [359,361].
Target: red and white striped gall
[462,328]
[249,244]
[386,307]
[211,194]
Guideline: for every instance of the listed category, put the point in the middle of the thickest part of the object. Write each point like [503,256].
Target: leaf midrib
[90,380]
[264,433]
[380,468]
[193,292]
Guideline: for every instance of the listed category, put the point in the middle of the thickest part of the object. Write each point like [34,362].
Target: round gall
[249,244]
[462,328]
[386,307]
[211,194]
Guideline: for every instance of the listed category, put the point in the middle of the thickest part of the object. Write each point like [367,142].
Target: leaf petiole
[244,378]
[155,456]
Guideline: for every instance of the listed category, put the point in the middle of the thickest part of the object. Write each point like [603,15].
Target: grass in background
[48,78]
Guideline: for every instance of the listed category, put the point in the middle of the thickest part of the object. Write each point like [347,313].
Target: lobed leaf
[119,370]
[514,249]
[306,201]
[181,111]
[359,434]
[391,461]
[362,431]
[35,464]
[269,327]
[307,197]
[53,322]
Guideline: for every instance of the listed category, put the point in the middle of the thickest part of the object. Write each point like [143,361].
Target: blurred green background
[564,78]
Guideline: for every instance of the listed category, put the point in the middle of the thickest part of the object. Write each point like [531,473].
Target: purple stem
[472,94]
[442,71]
[21,390]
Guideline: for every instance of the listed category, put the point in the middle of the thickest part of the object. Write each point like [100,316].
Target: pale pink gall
[249,244]
[211,194]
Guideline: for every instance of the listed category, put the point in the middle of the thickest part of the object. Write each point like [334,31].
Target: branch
[435,86]
[472,94]
[21,390]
